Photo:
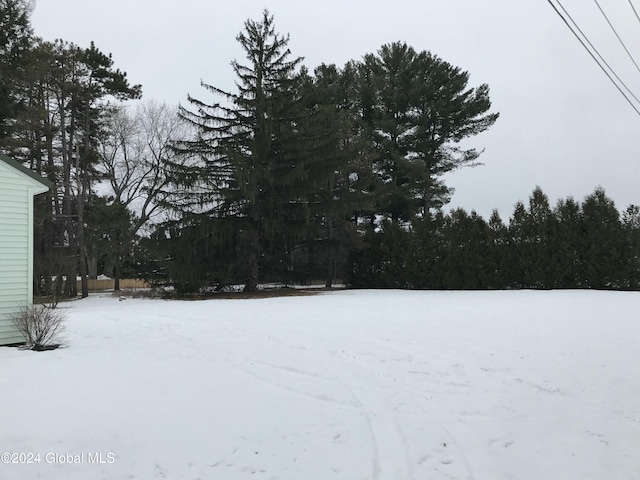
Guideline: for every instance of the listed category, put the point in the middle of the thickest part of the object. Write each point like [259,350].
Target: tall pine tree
[250,156]
[418,109]
[15,41]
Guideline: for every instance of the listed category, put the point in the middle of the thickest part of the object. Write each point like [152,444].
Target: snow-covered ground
[350,385]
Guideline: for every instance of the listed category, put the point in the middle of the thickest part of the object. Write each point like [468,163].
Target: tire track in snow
[369,411]
[282,386]
[240,364]
[441,413]
[391,457]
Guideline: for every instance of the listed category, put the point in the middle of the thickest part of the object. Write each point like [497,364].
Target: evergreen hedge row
[587,245]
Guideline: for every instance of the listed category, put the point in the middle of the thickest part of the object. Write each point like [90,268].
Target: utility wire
[596,51]
[634,10]
[593,56]
[617,36]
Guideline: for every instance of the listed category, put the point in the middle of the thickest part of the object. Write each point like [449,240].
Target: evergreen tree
[190,254]
[268,156]
[386,259]
[389,76]
[468,260]
[431,249]
[517,249]
[498,237]
[537,250]
[417,109]
[109,237]
[83,82]
[66,97]
[602,242]
[566,244]
[16,38]
[340,166]
[243,142]
[631,253]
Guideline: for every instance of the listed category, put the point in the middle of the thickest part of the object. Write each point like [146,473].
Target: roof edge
[26,171]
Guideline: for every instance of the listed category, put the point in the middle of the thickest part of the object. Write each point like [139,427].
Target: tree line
[54,104]
[63,114]
[296,175]
[586,244]
[281,174]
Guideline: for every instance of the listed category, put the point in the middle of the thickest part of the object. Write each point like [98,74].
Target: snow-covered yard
[349,385]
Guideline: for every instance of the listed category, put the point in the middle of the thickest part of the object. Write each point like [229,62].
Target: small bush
[41,326]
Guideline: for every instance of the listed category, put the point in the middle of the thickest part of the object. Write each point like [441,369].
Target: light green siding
[16,246]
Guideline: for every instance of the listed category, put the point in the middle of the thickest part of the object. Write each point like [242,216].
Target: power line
[593,56]
[617,36]
[634,10]
[597,53]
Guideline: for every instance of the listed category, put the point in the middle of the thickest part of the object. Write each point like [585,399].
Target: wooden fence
[109,284]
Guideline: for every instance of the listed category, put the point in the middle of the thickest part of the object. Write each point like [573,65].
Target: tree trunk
[82,247]
[82,256]
[253,256]
[331,256]
[116,276]
[84,281]
[70,289]
[93,266]
[251,284]
[427,204]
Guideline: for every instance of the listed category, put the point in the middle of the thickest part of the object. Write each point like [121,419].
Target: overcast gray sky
[563,125]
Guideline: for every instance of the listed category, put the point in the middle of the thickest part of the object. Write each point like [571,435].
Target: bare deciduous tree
[135,159]
[135,155]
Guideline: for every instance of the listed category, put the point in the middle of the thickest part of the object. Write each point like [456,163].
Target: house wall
[16,245]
